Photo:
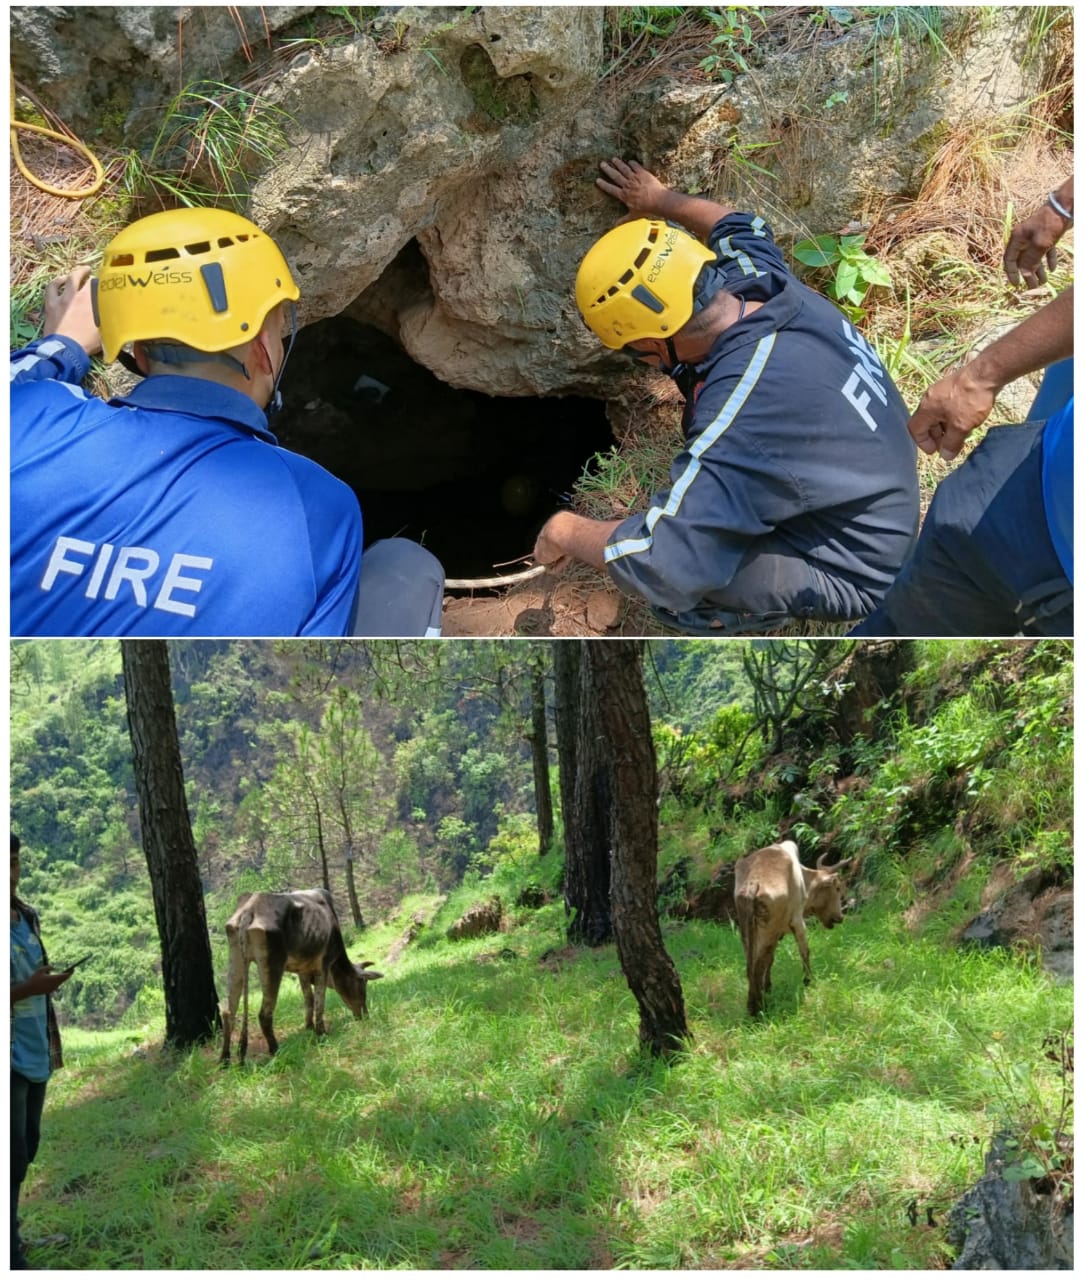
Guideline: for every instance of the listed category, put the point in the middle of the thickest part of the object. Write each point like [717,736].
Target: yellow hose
[79,194]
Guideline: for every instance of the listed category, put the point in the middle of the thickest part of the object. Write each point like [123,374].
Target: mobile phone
[81,960]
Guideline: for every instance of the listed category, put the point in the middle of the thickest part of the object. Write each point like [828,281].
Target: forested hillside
[495,1109]
[415,762]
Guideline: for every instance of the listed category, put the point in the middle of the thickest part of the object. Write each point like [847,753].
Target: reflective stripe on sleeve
[706,440]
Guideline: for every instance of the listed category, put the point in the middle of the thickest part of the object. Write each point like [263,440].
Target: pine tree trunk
[192,1006]
[352,894]
[541,777]
[585,784]
[616,671]
[321,841]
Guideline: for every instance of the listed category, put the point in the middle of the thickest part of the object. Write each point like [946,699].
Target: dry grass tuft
[980,175]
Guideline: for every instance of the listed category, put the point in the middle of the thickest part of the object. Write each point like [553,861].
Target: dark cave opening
[471,476]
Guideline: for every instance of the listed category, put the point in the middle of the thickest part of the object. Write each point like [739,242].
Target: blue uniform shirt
[793,428]
[1057,471]
[171,511]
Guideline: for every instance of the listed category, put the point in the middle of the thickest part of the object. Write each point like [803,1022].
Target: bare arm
[647,197]
[1032,243]
[951,408]
[568,536]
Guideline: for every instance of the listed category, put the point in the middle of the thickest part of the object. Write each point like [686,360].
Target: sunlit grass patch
[498,1114]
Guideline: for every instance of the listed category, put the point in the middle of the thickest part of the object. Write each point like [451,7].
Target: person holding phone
[35,1042]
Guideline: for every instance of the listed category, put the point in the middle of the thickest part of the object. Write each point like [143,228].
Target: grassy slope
[494,1113]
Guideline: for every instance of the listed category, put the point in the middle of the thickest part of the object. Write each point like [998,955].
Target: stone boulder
[714,901]
[439,182]
[1036,911]
[470,143]
[91,63]
[480,919]
[1002,1225]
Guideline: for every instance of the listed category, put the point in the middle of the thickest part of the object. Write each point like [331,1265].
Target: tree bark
[192,1005]
[352,892]
[541,775]
[619,692]
[320,835]
[585,784]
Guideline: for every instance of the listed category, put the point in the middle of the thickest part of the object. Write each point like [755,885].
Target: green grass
[494,1113]
[206,145]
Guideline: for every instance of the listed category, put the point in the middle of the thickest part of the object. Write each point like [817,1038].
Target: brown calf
[773,895]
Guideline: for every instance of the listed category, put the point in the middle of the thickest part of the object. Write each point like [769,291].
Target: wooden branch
[502,580]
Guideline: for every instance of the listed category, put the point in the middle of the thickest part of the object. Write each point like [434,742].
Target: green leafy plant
[855,270]
[1037,1112]
[647,20]
[733,38]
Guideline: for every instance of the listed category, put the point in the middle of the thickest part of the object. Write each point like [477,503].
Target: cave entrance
[471,476]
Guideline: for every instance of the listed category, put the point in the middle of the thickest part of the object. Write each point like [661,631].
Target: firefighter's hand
[641,191]
[1032,247]
[68,310]
[550,549]
[949,410]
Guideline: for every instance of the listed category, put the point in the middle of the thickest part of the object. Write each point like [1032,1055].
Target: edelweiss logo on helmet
[670,240]
[141,282]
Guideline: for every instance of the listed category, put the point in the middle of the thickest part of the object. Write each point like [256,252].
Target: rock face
[480,919]
[1009,1226]
[439,182]
[91,61]
[454,143]
[1035,912]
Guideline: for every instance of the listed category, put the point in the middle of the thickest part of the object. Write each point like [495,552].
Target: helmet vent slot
[215,283]
[626,277]
[642,257]
[201,246]
[641,294]
[224,242]
[160,255]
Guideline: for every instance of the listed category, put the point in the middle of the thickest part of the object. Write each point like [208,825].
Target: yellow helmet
[203,277]
[638,281]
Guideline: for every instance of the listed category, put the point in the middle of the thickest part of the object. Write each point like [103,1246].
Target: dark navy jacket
[169,512]
[794,435]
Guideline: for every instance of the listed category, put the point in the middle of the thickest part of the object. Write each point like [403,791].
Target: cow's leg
[743,923]
[306,983]
[320,981]
[228,1031]
[243,1039]
[271,976]
[229,1008]
[800,933]
[760,966]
